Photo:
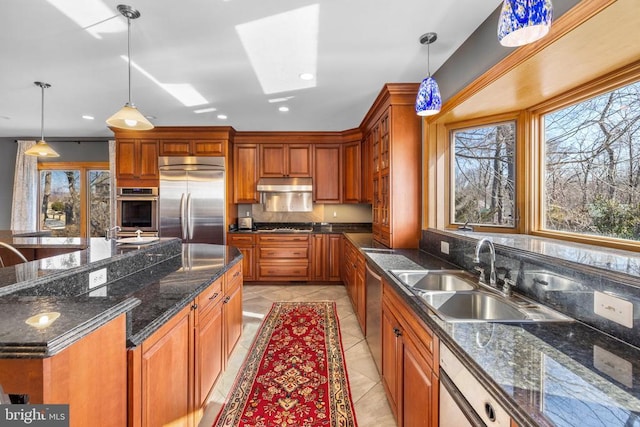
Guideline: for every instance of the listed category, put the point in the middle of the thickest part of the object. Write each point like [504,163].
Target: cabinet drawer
[210,296]
[279,253]
[284,239]
[240,239]
[268,271]
[233,278]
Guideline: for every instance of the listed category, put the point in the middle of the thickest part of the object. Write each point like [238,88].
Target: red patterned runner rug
[294,374]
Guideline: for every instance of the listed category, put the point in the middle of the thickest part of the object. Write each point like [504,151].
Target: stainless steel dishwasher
[373,283]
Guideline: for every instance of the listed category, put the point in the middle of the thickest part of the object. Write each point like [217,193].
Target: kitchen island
[540,373]
[84,335]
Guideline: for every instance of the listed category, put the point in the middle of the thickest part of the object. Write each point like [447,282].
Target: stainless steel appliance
[192,199]
[137,209]
[245,223]
[373,283]
[286,194]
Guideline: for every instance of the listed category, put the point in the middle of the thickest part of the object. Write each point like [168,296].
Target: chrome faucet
[111,233]
[492,259]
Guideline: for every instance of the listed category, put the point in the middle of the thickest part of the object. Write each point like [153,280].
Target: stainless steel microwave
[137,209]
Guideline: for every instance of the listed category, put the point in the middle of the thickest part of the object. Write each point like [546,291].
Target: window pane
[60,207]
[592,166]
[99,203]
[484,175]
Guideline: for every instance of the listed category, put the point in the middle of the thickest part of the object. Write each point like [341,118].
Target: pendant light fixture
[524,21]
[428,100]
[42,149]
[129,117]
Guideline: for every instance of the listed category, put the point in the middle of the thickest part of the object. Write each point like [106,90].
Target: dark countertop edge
[65,340]
[517,413]
[138,338]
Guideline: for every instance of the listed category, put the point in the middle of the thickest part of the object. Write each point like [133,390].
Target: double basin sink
[455,297]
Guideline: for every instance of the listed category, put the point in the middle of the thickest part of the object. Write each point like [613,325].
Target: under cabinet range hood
[286,194]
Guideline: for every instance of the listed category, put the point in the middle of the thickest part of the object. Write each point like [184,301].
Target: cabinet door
[352,173]
[148,160]
[360,292]
[208,147]
[245,173]
[209,351]
[367,170]
[319,251]
[167,372]
[391,357]
[272,160]
[246,245]
[418,379]
[232,318]
[335,259]
[298,161]
[126,159]
[179,147]
[327,174]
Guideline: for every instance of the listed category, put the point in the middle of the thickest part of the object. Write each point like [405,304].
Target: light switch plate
[615,309]
[97,278]
[444,247]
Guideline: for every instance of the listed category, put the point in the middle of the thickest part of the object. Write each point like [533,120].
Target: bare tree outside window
[592,166]
[483,191]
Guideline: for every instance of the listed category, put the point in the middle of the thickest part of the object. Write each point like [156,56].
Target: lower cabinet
[409,363]
[325,257]
[353,276]
[171,374]
[283,257]
[246,244]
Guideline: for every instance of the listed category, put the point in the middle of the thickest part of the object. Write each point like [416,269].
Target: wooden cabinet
[325,257]
[327,173]
[187,147]
[354,280]
[392,130]
[89,375]
[352,192]
[283,257]
[246,244]
[172,372]
[409,363]
[137,162]
[245,173]
[285,160]
[367,169]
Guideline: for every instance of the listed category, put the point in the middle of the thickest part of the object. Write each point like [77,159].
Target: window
[483,175]
[74,199]
[592,166]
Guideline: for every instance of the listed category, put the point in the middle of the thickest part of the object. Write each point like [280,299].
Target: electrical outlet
[97,278]
[615,309]
[248,214]
[444,247]
[335,214]
[616,367]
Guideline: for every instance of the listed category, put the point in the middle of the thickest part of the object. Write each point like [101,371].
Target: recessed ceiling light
[306,76]
[205,110]
[222,116]
[283,108]
[87,117]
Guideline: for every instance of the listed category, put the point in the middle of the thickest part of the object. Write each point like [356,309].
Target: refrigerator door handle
[183,222]
[189,217]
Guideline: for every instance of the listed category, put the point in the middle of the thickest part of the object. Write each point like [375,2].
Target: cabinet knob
[194,306]
[397,332]
[226,300]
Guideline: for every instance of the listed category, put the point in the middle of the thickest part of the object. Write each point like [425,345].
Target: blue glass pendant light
[524,21]
[428,100]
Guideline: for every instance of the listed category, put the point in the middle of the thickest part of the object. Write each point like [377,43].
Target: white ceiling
[361,44]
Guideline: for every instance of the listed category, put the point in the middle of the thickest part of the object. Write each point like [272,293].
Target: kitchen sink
[454,296]
[435,280]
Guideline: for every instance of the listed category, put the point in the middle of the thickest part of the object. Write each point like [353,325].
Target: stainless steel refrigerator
[191,203]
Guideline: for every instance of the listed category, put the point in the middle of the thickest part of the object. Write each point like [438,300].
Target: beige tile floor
[367,392]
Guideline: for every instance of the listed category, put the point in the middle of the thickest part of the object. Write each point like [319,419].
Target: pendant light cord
[129,55]
[429,59]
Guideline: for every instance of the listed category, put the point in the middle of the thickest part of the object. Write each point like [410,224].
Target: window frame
[450,128]
[609,82]
[84,168]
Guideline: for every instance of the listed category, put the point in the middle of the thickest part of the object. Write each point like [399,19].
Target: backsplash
[561,275]
[339,213]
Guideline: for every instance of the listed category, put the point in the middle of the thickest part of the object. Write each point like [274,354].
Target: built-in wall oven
[137,209]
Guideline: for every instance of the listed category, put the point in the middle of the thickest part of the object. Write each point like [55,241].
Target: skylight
[281,47]
[93,16]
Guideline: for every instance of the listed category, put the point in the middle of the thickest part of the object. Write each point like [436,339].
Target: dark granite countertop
[328,228]
[149,282]
[559,374]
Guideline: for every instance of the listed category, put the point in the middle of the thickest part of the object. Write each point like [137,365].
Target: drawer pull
[214,296]
[491,413]
[237,273]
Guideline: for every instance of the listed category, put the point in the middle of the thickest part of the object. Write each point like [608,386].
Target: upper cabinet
[392,129]
[352,167]
[327,173]
[285,160]
[198,147]
[137,162]
[245,173]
